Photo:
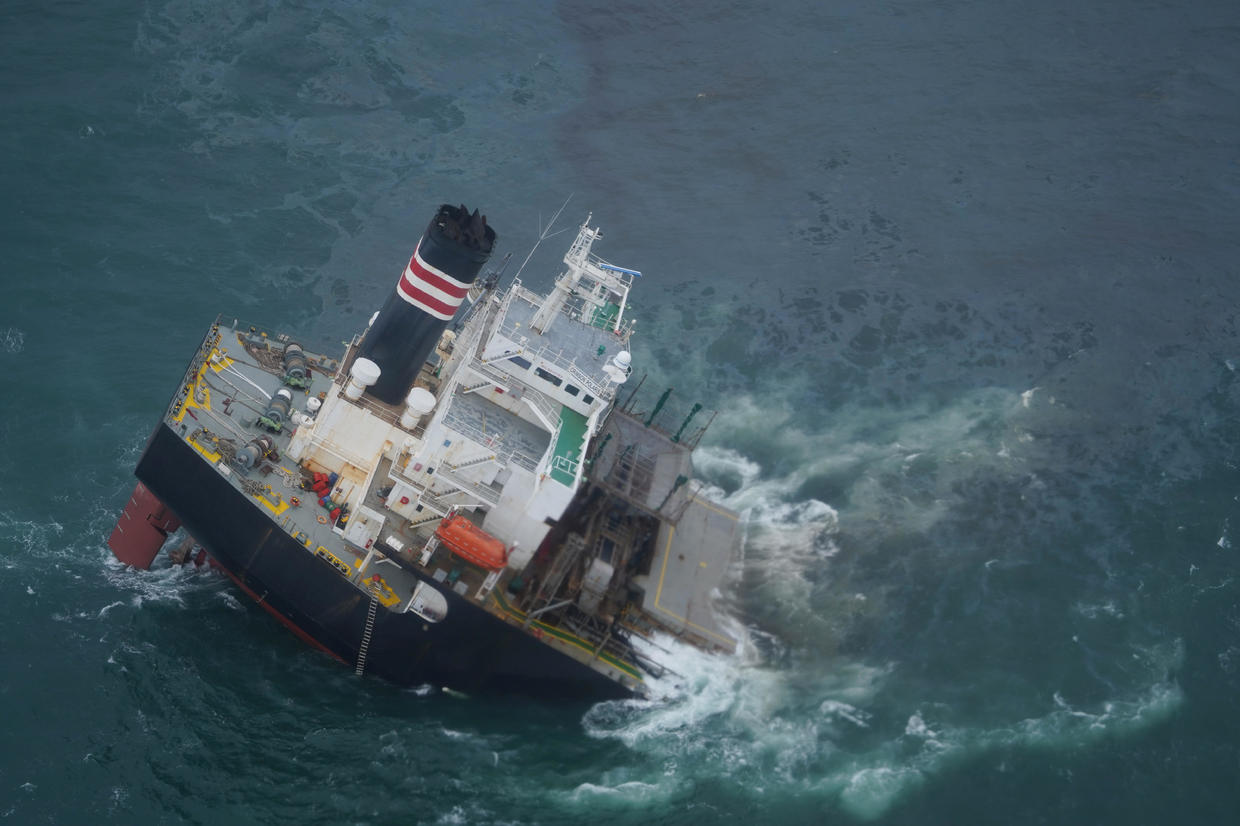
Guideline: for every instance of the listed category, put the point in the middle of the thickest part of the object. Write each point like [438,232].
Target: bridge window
[520,362]
[545,376]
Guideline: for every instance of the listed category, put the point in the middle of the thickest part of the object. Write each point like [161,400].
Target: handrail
[582,378]
[468,487]
[555,359]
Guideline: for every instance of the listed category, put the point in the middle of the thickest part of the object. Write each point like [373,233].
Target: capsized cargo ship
[474,495]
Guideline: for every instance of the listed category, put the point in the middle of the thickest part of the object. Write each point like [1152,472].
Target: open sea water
[960,276]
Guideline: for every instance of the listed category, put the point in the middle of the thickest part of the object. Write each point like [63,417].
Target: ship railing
[603,640]
[670,417]
[350,350]
[553,461]
[558,359]
[586,311]
[506,453]
[210,339]
[546,409]
[243,326]
[387,414]
[518,291]
[570,466]
[325,362]
[549,410]
[596,277]
[477,489]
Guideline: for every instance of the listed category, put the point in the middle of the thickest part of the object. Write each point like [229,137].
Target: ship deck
[570,342]
[687,571]
[651,472]
[511,438]
[228,386]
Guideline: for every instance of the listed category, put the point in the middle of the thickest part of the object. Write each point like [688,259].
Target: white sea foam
[870,786]
[12,340]
[916,727]
[870,792]
[746,718]
[105,609]
[940,444]
[391,744]
[845,711]
[629,793]
[738,717]
[230,601]
[1100,609]
[454,815]
[35,539]
[168,584]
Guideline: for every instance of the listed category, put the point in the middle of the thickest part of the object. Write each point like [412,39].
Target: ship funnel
[444,265]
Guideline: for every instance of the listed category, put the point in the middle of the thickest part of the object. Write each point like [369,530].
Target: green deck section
[568,446]
[605,317]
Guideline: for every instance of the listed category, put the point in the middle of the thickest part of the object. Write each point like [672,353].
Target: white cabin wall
[522,512]
[347,440]
[510,523]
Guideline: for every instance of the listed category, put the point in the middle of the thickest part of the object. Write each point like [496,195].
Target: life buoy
[538,632]
[322,519]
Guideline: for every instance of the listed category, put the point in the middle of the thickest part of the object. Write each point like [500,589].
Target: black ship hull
[469,650]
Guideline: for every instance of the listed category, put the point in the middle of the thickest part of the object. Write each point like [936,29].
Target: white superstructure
[501,428]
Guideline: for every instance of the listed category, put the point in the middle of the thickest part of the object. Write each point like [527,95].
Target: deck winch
[253,453]
[277,412]
[296,368]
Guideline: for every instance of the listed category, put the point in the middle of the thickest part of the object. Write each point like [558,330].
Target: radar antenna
[543,235]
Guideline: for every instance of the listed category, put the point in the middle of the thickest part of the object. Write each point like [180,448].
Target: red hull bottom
[142,529]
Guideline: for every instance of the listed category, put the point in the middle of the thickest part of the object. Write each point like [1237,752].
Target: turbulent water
[960,277]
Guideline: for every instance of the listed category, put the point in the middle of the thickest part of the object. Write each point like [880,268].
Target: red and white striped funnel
[430,291]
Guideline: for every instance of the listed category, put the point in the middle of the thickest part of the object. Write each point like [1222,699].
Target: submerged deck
[687,570]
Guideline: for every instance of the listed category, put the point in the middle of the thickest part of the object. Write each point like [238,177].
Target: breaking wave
[842,738]
[804,710]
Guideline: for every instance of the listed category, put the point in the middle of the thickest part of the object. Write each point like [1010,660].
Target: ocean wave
[902,465]
[838,734]
[165,582]
[877,781]
[624,794]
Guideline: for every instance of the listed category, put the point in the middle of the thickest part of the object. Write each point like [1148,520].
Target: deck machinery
[474,495]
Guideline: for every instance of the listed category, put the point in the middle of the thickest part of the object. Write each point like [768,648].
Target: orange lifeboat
[471,543]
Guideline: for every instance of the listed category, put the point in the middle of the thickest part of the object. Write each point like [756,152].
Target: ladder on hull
[370,627]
